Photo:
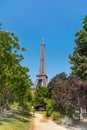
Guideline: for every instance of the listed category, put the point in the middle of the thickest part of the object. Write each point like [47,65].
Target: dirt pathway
[42,123]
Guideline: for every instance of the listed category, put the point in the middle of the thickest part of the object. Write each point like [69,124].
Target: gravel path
[42,123]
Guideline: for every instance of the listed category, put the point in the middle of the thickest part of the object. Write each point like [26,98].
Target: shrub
[51,106]
[56,115]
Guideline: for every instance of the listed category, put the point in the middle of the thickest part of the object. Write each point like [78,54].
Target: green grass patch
[14,120]
[41,112]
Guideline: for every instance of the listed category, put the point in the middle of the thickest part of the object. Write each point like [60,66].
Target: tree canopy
[59,77]
[39,98]
[14,79]
[79,57]
[68,94]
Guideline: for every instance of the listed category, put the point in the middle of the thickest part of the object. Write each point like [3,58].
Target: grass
[41,112]
[13,120]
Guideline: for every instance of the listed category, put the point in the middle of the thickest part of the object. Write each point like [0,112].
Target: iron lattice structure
[41,77]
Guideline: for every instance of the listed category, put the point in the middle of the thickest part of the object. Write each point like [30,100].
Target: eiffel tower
[41,77]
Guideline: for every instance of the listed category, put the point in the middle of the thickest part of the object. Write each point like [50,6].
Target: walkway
[42,123]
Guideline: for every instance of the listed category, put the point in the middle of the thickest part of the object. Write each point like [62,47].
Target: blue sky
[56,21]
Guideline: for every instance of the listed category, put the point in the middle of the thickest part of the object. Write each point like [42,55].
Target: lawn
[13,120]
[41,112]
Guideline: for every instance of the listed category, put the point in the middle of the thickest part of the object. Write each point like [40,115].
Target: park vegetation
[67,94]
[15,82]
[63,95]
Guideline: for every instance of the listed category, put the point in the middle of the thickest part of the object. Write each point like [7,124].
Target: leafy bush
[56,115]
[14,106]
[51,106]
[39,98]
[66,120]
[26,108]
[70,110]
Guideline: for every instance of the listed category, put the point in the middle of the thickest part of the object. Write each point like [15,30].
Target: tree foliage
[51,106]
[68,94]
[14,80]
[79,57]
[39,98]
[59,77]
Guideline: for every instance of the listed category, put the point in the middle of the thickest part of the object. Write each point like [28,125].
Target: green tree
[79,57]
[59,77]
[39,98]
[14,80]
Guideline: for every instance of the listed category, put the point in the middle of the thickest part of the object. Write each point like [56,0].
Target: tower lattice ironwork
[41,77]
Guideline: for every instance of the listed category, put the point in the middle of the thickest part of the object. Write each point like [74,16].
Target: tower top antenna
[43,43]
[42,40]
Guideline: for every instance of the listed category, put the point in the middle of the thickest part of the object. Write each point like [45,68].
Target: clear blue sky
[56,21]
